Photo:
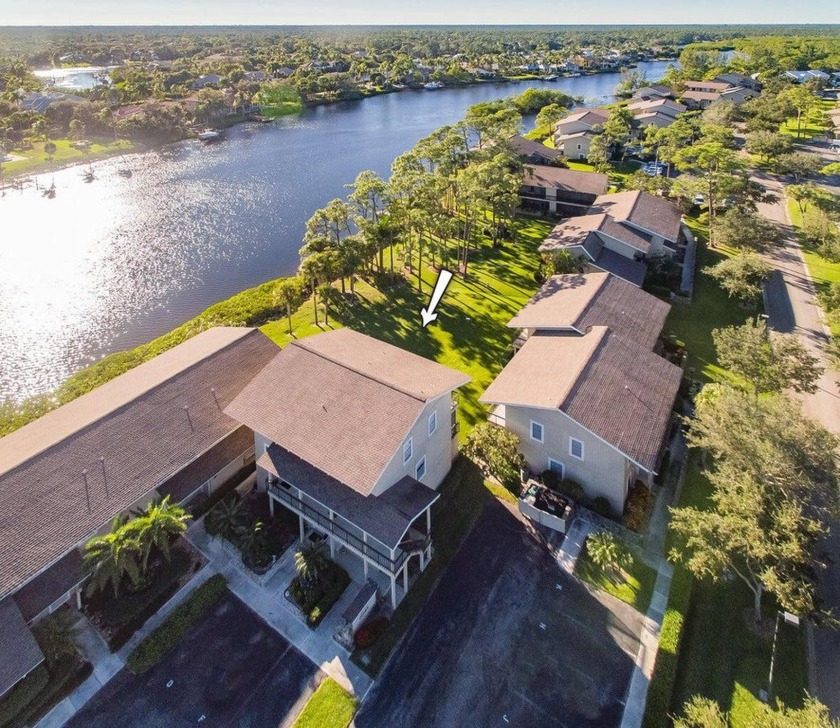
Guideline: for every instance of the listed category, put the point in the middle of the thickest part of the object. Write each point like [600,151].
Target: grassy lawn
[633,585]
[330,706]
[36,160]
[823,271]
[813,123]
[470,333]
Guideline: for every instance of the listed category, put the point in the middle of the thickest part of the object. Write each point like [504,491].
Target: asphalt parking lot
[507,639]
[231,670]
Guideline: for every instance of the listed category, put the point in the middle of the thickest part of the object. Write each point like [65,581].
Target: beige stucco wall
[603,471]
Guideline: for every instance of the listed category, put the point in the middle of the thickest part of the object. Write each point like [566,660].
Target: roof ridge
[598,334]
[366,375]
[595,293]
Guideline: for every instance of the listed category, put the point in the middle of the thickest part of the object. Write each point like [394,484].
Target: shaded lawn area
[633,585]
[470,333]
[36,159]
[813,123]
[823,271]
[331,706]
[721,656]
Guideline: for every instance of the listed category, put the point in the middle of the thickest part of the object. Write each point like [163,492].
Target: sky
[403,12]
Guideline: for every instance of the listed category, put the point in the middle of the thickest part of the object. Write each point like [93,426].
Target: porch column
[393,591]
[332,540]
[428,521]
[405,577]
[79,599]
[364,560]
[423,560]
[302,528]
[271,505]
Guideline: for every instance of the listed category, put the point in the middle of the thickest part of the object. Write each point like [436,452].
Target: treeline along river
[108,264]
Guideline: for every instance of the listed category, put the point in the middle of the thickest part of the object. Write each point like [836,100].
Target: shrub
[572,489]
[370,631]
[316,602]
[607,552]
[636,508]
[152,649]
[23,694]
[498,450]
[551,480]
[602,507]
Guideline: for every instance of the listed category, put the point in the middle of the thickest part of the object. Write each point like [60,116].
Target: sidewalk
[270,603]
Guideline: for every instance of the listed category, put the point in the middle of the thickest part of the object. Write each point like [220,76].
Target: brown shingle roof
[666,106]
[139,425]
[342,401]
[527,147]
[565,179]
[581,301]
[648,212]
[633,271]
[621,392]
[21,654]
[578,230]
[595,117]
[714,85]
[385,517]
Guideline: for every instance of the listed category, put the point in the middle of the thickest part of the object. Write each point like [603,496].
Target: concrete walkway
[567,554]
[269,601]
[106,664]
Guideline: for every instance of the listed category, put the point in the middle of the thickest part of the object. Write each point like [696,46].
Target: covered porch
[385,537]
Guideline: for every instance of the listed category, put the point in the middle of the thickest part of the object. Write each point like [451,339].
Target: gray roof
[139,424]
[580,301]
[633,271]
[649,212]
[620,391]
[385,517]
[581,230]
[528,147]
[560,178]
[342,401]
[21,654]
[49,586]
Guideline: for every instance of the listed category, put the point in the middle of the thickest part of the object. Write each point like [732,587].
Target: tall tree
[741,276]
[289,295]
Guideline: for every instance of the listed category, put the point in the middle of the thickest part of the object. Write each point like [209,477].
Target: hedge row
[152,649]
[23,694]
[661,689]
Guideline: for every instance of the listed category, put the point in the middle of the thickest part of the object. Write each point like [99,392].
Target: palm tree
[310,562]
[56,636]
[289,294]
[225,518]
[110,558]
[157,527]
[606,551]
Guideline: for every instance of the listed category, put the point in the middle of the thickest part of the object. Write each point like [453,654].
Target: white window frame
[420,463]
[432,428]
[408,445]
[572,441]
[541,438]
[552,461]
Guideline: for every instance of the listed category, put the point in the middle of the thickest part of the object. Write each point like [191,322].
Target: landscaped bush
[23,694]
[64,679]
[370,631]
[496,450]
[636,508]
[572,489]
[317,602]
[550,479]
[152,649]
[602,507]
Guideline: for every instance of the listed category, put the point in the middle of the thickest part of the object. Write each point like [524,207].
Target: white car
[699,200]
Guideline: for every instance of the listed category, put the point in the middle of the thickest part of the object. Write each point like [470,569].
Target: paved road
[792,307]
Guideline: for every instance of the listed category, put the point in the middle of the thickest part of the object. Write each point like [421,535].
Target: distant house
[40,101]
[585,120]
[595,407]
[803,76]
[255,76]
[211,79]
[354,436]
[533,152]
[740,79]
[575,145]
[666,107]
[697,100]
[560,191]
[619,232]
[651,118]
[739,94]
[707,86]
[156,430]
[654,91]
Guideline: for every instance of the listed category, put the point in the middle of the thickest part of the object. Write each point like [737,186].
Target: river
[113,263]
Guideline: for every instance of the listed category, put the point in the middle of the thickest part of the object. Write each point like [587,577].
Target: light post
[789,619]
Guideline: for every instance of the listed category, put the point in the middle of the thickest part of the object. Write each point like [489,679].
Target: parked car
[699,200]
[654,169]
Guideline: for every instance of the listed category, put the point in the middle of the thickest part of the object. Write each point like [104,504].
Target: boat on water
[124,172]
[433,85]
[550,78]
[209,135]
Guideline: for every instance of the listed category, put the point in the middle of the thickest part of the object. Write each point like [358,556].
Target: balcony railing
[381,557]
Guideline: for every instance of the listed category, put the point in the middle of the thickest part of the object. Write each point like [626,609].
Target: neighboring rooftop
[648,212]
[579,231]
[528,147]
[620,391]
[595,117]
[343,402]
[656,104]
[580,301]
[703,85]
[21,654]
[560,178]
[70,472]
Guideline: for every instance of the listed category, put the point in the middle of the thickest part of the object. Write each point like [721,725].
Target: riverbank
[36,160]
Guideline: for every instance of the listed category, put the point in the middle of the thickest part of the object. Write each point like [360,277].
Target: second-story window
[432,423]
[420,471]
[408,450]
[576,448]
[537,432]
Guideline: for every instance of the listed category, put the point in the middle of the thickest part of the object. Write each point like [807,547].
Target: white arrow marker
[428,314]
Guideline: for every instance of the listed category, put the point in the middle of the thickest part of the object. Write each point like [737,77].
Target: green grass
[36,160]
[813,123]
[463,495]
[823,271]
[330,706]
[470,333]
[633,585]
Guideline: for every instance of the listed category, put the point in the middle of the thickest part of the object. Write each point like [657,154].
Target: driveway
[231,670]
[507,639]
[792,307]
